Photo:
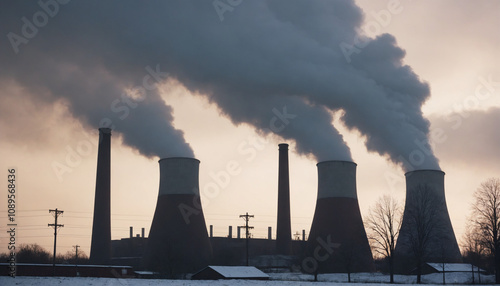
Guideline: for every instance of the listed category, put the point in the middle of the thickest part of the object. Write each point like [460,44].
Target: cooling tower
[337,240]
[100,247]
[426,209]
[178,241]
[283,229]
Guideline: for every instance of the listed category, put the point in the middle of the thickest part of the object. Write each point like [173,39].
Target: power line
[247,217]
[55,225]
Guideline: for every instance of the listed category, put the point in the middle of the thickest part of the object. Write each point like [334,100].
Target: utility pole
[76,251]
[76,259]
[247,217]
[55,225]
[296,235]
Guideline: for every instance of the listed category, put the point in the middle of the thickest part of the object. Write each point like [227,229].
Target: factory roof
[454,267]
[230,272]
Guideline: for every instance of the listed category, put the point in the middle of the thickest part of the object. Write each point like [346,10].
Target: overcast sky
[339,80]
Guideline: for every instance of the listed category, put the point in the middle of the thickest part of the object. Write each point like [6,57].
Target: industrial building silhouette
[179,243]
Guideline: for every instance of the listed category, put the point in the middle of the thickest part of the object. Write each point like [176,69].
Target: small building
[429,268]
[230,272]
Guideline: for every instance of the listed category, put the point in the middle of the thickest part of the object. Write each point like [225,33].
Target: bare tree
[473,247]
[486,219]
[348,258]
[32,253]
[383,223]
[443,261]
[70,257]
[473,241]
[423,218]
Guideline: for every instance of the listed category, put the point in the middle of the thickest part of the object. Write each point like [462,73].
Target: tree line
[34,253]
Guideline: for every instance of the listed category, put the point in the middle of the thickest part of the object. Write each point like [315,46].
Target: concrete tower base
[178,241]
[425,207]
[337,241]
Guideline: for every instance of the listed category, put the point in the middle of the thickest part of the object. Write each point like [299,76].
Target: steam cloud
[263,56]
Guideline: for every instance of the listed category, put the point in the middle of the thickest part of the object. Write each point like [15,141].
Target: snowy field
[368,279]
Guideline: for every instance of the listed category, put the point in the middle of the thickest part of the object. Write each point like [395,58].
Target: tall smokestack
[178,241]
[100,247]
[283,229]
[425,196]
[337,241]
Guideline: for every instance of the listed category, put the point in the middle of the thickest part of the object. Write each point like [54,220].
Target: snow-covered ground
[294,279]
[451,278]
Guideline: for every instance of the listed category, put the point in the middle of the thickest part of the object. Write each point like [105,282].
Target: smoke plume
[277,65]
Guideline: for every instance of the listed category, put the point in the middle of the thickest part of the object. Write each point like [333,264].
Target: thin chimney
[100,248]
[283,229]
